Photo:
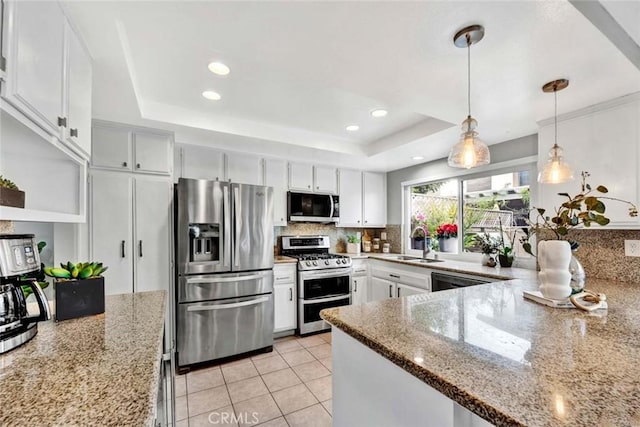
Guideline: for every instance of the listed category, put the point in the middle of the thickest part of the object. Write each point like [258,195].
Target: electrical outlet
[383,235]
[632,248]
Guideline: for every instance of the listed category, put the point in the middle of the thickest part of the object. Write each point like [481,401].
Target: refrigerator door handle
[228,306]
[237,208]
[224,279]
[226,212]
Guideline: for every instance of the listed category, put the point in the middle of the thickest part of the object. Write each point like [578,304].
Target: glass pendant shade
[556,171]
[470,151]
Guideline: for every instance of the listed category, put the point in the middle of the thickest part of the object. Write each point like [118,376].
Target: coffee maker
[19,256]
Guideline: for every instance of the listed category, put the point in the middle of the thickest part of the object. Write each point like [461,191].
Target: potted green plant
[488,246]
[582,210]
[10,194]
[505,252]
[353,244]
[79,289]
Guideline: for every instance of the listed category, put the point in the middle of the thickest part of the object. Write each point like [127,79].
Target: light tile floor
[289,387]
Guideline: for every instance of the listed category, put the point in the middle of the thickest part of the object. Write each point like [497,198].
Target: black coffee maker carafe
[19,256]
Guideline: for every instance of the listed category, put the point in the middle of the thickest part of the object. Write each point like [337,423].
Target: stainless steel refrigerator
[224,264]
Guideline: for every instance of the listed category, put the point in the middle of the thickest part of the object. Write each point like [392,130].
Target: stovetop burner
[315,257]
[312,253]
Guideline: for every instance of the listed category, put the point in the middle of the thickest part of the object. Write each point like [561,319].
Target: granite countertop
[97,370]
[509,360]
[282,259]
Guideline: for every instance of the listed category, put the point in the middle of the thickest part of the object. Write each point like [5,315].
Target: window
[494,201]
[434,206]
[459,209]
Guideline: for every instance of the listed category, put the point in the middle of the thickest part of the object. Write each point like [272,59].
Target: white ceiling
[302,71]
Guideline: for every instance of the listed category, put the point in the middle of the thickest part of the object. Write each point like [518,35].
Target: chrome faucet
[426,248]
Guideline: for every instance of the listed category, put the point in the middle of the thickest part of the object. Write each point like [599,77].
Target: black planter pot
[79,298]
[505,261]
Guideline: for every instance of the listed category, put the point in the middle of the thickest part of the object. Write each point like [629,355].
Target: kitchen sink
[427,261]
[405,258]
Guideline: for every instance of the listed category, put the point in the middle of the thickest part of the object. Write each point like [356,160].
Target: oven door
[309,319]
[324,283]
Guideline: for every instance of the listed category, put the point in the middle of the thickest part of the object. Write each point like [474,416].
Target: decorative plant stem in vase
[583,209]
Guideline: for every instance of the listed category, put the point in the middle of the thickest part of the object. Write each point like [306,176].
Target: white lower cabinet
[380,289]
[284,297]
[392,280]
[403,290]
[130,217]
[359,281]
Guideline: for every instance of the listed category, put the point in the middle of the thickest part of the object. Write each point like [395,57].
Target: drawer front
[359,267]
[212,330]
[284,274]
[218,286]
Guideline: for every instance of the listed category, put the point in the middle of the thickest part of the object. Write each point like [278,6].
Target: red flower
[447,231]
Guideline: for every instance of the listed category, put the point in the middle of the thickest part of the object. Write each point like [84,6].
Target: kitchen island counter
[505,359]
[97,370]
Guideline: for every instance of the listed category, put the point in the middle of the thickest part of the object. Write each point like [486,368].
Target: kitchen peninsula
[460,357]
[97,370]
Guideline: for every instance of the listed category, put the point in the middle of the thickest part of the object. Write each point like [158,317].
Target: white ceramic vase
[554,257]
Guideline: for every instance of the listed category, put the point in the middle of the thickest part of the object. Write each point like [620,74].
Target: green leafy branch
[583,209]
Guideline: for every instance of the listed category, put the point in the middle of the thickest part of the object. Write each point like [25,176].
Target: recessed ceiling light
[213,96]
[219,68]
[352,128]
[379,113]
[417,158]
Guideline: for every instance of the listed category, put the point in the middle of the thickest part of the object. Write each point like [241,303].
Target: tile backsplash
[601,252]
[6,227]
[337,236]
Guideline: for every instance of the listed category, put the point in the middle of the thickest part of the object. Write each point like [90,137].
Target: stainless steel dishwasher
[442,282]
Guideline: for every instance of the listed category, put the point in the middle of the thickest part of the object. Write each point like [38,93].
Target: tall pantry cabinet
[130,207]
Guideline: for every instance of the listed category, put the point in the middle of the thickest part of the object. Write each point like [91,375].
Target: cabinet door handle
[140,248]
[281,219]
[394,276]
[317,187]
[358,221]
[308,186]
[355,286]
[282,278]
[398,292]
[122,249]
[366,222]
[62,121]
[290,294]
[73,132]
[138,165]
[390,291]
[124,164]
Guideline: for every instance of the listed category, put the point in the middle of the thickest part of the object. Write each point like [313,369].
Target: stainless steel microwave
[309,207]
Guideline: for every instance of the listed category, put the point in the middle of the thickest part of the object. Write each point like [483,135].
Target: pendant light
[556,171]
[470,151]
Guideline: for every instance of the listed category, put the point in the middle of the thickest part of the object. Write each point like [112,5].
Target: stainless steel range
[324,279]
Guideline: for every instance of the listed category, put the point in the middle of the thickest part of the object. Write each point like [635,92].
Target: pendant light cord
[555,115]
[469,73]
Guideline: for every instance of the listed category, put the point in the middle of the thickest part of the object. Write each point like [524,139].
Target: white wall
[439,169]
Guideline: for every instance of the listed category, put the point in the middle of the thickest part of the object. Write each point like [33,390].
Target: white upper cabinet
[374,195]
[350,198]
[128,148]
[202,163]
[48,72]
[153,152]
[244,169]
[35,61]
[79,73]
[276,177]
[300,177]
[325,179]
[111,147]
[605,141]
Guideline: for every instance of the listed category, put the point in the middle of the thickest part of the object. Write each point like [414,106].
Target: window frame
[527,163]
